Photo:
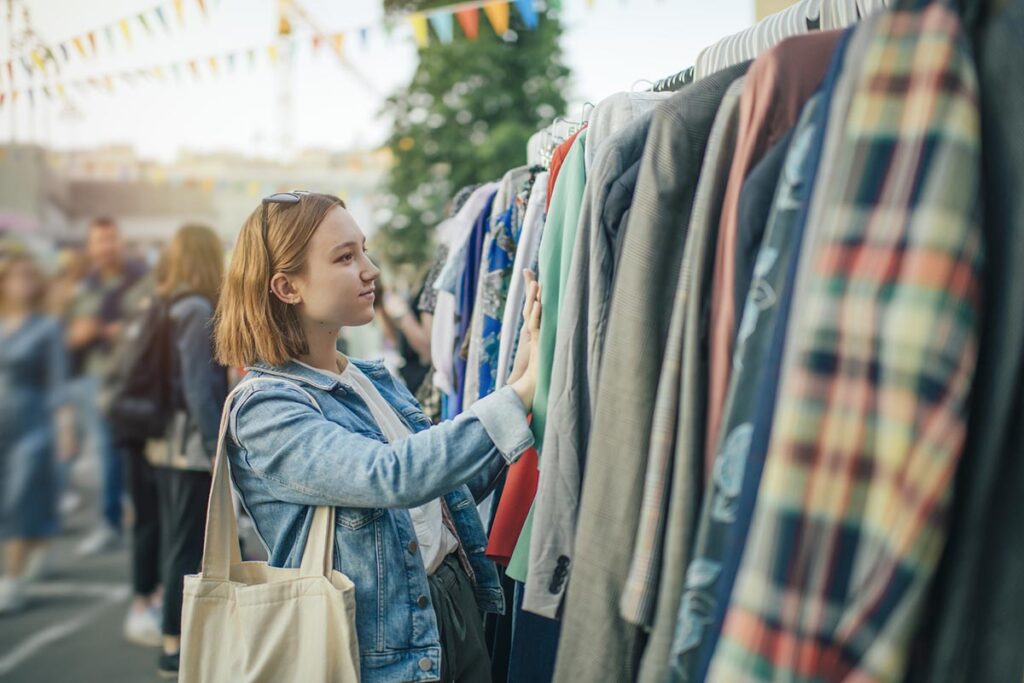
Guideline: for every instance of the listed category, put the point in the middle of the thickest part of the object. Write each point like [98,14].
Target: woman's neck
[323,351]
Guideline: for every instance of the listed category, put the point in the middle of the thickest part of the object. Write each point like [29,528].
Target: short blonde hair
[251,323]
[193,260]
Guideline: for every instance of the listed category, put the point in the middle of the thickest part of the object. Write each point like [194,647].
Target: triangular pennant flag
[179,9]
[46,91]
[497,14]
[158,71]
[272,53]
[317,39]
[27,66]
[60,89]
[337,41]
[202,6]
[176,70]
[126,30]
[528,13]
[145,23]
[49,55]
[419,29]
[364,36]
[252,56]
[38,59]
[92,42]
[443,27]
[3,96]
[64,52]
[194,67]
[231,61]
[159,12]
[14,96]
[31,98]
[590,4]
[79,46]
[213,65]
[469,20]
[108,31]
[10,71]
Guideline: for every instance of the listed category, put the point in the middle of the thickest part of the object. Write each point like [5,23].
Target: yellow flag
[60,89]
[213,64]
[419,29]
[179,9]
[337,40]
[497,14]
[38,59]
[272,53]
[79,46]
[126,30]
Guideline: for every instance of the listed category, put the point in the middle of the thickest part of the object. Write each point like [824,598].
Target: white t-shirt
[435,540]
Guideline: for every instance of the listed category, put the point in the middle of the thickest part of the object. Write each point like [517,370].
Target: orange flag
[469,20]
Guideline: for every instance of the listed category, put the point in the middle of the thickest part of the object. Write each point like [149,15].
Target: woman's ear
[283,288]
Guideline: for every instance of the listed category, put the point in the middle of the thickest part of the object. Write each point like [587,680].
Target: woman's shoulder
[188,304]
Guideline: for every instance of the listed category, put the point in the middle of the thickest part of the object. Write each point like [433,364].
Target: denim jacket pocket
[356,518]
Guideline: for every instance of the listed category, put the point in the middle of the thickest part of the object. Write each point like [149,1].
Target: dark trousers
[183,498]
[461,625]
[146,572]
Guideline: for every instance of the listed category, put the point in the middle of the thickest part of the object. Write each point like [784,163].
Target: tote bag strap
[221,548]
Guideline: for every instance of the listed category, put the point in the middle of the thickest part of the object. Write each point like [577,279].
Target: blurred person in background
[193,266]
[95,325]
[36,425]
[407,335]
[143,622]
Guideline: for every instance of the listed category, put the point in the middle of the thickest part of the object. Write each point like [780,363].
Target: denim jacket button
[423,602]
[413,547]
[426,664]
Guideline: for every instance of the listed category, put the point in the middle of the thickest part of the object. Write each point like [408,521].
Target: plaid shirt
[869,425]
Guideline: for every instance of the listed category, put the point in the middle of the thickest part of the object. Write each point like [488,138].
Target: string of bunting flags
[87,44]
[441,20]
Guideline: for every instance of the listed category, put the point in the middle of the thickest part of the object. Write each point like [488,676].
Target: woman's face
[337,288]
[21,285]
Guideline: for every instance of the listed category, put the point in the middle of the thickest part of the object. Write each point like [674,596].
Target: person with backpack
[187,390]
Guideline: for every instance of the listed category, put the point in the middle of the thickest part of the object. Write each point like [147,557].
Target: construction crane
[291,13]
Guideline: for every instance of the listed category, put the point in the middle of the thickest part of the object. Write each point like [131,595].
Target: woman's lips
[368,295]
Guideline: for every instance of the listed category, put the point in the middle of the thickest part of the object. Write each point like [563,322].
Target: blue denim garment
[287,457]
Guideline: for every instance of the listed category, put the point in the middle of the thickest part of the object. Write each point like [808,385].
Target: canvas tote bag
[248,621]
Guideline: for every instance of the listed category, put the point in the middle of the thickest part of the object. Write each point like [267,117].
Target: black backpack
[141,397]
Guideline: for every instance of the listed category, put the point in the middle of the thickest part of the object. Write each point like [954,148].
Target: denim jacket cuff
[504,419]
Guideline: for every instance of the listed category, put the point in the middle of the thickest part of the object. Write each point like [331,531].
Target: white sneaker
[12,595]
[101,539]
[142,627]
[39,565]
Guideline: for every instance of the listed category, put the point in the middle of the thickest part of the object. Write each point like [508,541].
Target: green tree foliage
[465,118]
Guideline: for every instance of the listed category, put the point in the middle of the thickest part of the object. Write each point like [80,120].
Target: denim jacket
[199,385]
[288,456]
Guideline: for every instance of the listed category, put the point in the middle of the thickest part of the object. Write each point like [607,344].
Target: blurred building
[54,194]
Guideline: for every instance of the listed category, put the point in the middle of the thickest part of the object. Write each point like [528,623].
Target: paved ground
[71,630]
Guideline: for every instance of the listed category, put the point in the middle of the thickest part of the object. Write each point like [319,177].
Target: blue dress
[33,375]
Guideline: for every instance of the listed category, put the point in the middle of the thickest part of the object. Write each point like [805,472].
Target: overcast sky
[609,46]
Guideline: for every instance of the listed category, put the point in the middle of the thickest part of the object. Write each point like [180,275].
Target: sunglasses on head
[293,197]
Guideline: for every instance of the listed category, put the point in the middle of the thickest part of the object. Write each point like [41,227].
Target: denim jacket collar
[302,374]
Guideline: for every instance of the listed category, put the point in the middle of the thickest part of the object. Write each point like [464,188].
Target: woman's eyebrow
[344,245]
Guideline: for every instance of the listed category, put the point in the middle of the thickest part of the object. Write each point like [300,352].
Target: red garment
[514,506]
[777,85]
[557,158]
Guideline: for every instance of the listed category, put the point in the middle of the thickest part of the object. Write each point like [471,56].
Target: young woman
[329,430]
[33,382]
[192,270]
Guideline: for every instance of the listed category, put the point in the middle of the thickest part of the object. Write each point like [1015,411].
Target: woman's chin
[362,318]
